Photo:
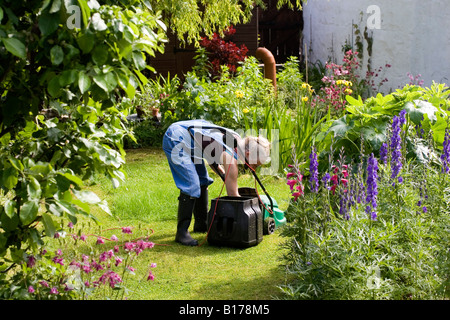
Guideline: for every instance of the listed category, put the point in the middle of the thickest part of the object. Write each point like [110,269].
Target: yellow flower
[245,110]
[339,82]
[348,91]
[239,94]
[304,99]
[304,85]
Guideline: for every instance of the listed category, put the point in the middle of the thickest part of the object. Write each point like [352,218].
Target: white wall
[412,36]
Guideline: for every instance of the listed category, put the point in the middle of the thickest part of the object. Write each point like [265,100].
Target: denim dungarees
[185,156]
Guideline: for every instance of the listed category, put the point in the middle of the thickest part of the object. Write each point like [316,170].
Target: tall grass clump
[373,228]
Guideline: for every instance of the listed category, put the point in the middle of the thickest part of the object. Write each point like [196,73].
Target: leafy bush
[374,229]
[221,52]
[366,123]
[63,90]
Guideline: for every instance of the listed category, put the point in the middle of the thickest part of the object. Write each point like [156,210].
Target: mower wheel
[269,226]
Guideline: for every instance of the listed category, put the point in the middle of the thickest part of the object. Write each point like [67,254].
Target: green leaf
[16,163]
[67,77]
[340,127]
[48,22]
[100,55]
[16,47]
[375,134]
[53,87]
[49,225]
[10,206]
[56,55]
[72,178]
[33,188]
[418,109]
[29,212]
[5,139]
[86,42]
[353,101]
[53,208]
[56,6]
[139,60]
[10,177]
[84,82]
[107,82]
[87,196]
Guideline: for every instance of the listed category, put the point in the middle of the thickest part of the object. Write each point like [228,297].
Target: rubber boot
[201,211]
[185,207]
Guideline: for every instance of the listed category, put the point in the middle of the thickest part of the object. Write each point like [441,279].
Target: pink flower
[118,261]
[106,255]
[114,238]
[111,277]
[86,268]
[100,241]
[30,289]
[74,264]
[126,230]
[31,261]
[150,276]
[43,283]
[291,184]
[70,225]
[58,260]
[83,237]
[129,246]
[290,175]
[54,290]
[334,179]
[296,195]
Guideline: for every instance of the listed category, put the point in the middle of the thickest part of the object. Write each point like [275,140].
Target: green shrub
[371,232]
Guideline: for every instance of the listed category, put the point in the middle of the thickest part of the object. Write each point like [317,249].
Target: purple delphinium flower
[402,116]
[445,157]
[423,197]
[372,188]
[313,171]
[384,153]
[325,180]
[396,147]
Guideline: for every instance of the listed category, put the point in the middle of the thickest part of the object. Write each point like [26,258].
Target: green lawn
[148,199]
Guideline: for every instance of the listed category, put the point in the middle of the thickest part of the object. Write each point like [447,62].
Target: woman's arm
[231,173]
